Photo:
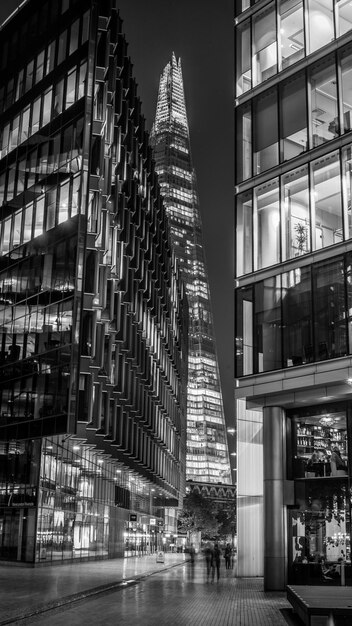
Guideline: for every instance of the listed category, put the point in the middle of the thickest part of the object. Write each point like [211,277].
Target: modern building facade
[293,287]
[207,453]
[93,317]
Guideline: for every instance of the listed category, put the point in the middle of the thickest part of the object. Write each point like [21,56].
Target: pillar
[274,474]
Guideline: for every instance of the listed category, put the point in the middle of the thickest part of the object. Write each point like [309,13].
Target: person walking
[228,553]
[215,563]
[208,552]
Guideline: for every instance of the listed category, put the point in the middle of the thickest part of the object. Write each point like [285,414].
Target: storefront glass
[319,522]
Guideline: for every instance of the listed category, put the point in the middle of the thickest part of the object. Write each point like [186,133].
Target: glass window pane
[343,17]
[16,238]
[297,317]
[64,203]
[244,234]
[326,198]
[51,208]
[296,219]
[325,125]
[19,84]
[266,225]
[264,46]
[70,89]
[291,32]
[329,309]
[50,58]
[346,89]
[265,131]
[244,331]
[82,80]
[21,176]
[349,299]
[5,244]
[74,36]
[40,66]
[58,98]
[268,325]
[27,227]
[321,23]
[39,218]
[85,27]
[35,125]
[4,144]
[29,76]
[244,142]
[76,187]
[61,54]
[25,125]
[347,188]
[243,58]
[14,132]
[293,104]
[47,106]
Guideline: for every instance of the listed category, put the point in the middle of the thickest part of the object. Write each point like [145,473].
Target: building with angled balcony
[93,316]
[207,459]
[293,288]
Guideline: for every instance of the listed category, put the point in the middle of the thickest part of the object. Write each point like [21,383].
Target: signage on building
[152,521]
[133,517]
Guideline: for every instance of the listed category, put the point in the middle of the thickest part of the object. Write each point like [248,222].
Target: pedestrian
[227,555]
[215,563]
[208,559]
[192,553]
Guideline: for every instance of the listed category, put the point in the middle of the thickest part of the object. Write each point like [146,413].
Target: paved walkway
[138,592]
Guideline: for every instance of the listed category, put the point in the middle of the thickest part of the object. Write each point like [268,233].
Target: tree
[198,515]
[227,523]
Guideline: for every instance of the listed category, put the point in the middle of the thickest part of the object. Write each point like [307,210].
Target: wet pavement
[138,592]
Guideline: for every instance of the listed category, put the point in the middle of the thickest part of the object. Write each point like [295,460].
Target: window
[27,226]
[82,79]
[85,27]
[19,85]
[343,10]
[29,75]
[70,88]
[61,54]
[346,89]
[347,189]
[74,36]
[244,331]
[264,46]
[5,140]
[294,133]
[266,224]
[243,58]
[324,114]
[64,203]
[14,132]
[39,218]
[50,58]
[25,125]
[265,131]
[326,200]
[321,23]
[35,124]
[296,218]
[267,325]
[244,233]
[58,98]
[297,317]
[40,66]
[330,328]
[291,32]
[47,106]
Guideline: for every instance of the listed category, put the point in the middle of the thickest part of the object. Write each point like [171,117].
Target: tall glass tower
[207,452]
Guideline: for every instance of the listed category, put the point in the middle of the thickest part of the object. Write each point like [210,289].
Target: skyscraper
[93,320]
[207,452]
[293,286]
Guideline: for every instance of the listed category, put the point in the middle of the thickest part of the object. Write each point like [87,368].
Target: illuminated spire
[207,452]
[171,105]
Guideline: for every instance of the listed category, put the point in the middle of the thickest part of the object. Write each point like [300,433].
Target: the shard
[207,451]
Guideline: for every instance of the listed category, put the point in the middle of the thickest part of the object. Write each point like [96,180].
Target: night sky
[201,33]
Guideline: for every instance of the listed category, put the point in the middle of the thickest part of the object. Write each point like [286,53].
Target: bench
[309,601]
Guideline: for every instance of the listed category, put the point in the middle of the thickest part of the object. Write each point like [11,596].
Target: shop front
[319,521]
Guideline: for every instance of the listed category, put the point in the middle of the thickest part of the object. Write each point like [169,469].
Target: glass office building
[93,317]
[293,70]
[207,452]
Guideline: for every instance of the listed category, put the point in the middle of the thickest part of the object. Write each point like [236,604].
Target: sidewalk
[25,590]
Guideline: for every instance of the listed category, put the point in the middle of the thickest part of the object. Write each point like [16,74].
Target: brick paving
[178,596]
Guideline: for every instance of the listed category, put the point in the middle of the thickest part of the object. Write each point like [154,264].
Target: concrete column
[274,474]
